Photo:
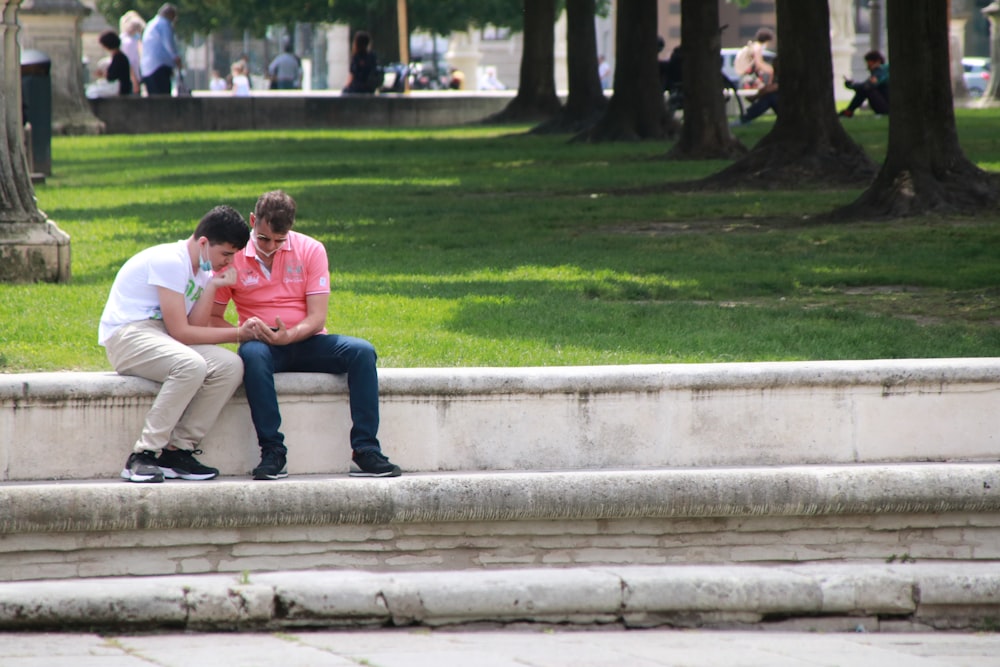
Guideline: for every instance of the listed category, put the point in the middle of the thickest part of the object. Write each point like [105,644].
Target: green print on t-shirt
[193,291]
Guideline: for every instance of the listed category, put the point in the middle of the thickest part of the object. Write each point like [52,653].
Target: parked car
[976,72]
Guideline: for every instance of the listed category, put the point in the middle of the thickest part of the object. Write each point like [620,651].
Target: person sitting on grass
[874,89]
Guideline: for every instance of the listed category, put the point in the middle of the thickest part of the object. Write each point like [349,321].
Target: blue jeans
[760,105]
[323,353]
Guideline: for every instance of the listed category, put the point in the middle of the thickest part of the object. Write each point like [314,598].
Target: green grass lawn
[482,246]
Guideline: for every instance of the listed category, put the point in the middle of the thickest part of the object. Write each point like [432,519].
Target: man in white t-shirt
[155,325]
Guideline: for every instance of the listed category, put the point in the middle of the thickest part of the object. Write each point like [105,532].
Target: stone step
[474,521]
[863,597]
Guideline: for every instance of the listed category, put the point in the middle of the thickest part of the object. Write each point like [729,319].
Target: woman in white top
[241,82]
[130,26]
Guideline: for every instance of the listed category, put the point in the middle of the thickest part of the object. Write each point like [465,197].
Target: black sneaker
[373,463]
[272,465]
[181,463]
[141,467]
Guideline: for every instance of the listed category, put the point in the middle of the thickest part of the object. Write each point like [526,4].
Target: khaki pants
[198,381]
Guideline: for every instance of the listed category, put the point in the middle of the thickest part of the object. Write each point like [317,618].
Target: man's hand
[248,330]
[226,278]
[276,335]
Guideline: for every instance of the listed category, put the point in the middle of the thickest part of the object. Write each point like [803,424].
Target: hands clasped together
[255,328]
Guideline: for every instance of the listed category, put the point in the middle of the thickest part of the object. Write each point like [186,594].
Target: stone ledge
[863,595]
[804,491]
[265,110]
[885,374]
[590,417]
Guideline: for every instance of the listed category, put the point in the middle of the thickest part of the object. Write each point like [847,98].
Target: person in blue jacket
[874,89]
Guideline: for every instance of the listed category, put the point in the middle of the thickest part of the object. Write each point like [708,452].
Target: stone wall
[293,110]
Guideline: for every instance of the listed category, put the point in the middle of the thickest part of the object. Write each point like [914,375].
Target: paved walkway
[522,647]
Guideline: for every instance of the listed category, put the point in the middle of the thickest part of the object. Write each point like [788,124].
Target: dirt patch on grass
[925,306]
[704,226]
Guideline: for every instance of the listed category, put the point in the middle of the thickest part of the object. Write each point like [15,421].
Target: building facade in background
[325,49]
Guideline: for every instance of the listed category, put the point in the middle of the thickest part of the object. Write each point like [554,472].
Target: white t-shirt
[241,85]
[134,293]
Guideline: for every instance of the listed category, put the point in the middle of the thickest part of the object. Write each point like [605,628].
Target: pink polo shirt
[300,268]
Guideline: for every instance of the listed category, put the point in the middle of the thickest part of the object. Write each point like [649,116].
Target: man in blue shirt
[159,51]
[285,70]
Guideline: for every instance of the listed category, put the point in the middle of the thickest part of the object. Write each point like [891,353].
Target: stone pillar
[338,55]
[32,248]
[992,14]
[842,45]
[560,54]
[875,21]
[53,26]
[464,54]
[956,49]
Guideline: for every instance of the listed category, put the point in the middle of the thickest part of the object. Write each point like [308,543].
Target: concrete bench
[82,425]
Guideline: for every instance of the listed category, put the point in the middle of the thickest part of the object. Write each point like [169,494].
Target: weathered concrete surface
[815,643]
[485,521]
[294,110]
[595,417]
[688,493]
[868,596]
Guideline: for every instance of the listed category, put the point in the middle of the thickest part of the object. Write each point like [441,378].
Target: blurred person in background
[159,54]
[130,27]
[285,71]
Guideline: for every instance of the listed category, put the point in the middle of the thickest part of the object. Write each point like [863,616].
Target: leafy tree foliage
[255,15]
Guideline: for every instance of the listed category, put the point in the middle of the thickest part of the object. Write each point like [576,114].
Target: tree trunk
[586,101]
[536,98]
[384,29]
[705,134]
[807,143]
[925,170]
[636,110]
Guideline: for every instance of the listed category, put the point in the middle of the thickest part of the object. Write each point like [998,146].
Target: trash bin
[36,100]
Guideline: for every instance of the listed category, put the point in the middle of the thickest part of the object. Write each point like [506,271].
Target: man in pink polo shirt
[283,278]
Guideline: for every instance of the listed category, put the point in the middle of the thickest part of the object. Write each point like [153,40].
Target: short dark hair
[764,35]
[874,56]
[224,224]
[277,209]
[109,39]
[362,40]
